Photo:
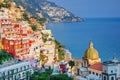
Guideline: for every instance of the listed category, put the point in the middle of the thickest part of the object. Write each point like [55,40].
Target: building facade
[16,71]
[16,38]
[111,70]
[96,69]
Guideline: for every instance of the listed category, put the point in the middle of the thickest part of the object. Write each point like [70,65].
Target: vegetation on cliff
[61,51]
[4,56]
[5,4]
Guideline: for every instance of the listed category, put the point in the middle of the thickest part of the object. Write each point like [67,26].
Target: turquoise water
[104,32]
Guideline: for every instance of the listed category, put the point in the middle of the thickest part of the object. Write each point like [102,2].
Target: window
[24,67]
[105,71]
[10,72]
[19,75]
[97,74]
[111,71]
[6,73]
[28,66]
[90,72]
[15,70]
[23,74]
[112,78]
[36,47]
[15,77]
[19,69]
[105,78]
[11,42]
[1,74]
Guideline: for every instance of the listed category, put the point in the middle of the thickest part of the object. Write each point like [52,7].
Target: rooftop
[114,61]
[12,64]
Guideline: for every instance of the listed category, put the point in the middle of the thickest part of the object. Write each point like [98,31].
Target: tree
[28,74]
[41,76]
[34,28]
[60,77]
[43,59]
[5,4]
[25,16]
[71,63]
[61,51]
[42,20]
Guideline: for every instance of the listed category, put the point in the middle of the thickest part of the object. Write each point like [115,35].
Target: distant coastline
[48,10]
[81,20]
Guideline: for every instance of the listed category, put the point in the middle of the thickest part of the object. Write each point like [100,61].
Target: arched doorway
[112,78]
[105,78]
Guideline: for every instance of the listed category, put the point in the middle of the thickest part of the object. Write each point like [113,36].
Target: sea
[103,32]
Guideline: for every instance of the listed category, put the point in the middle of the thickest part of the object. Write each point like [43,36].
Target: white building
[15,70]
[111,70]
[35,47]
[68,55]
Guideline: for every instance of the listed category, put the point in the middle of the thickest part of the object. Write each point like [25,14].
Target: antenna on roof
[114,56]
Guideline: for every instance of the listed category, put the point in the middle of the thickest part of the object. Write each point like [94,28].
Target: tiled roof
[97,66]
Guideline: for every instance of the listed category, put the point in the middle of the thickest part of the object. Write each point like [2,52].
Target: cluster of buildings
[20,41]
[55,12]
[93,69]
[15,37]
[25,45]
[90,67]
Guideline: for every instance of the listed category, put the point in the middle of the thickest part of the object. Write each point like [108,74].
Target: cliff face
[49,10]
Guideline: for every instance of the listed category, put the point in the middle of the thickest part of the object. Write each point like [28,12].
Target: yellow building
[0,44]
[91,56]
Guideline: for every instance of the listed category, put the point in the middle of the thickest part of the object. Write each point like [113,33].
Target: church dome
[91,53]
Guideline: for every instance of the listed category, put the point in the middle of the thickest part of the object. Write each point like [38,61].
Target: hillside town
[49,10]
[28,50]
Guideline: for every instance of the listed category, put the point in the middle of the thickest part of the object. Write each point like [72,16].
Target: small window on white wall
[111,71]
[105,71]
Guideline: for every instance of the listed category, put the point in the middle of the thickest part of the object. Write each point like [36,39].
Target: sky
[91,8]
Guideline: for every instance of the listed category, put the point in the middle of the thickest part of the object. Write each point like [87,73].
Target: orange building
[18,47]
[15,38]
